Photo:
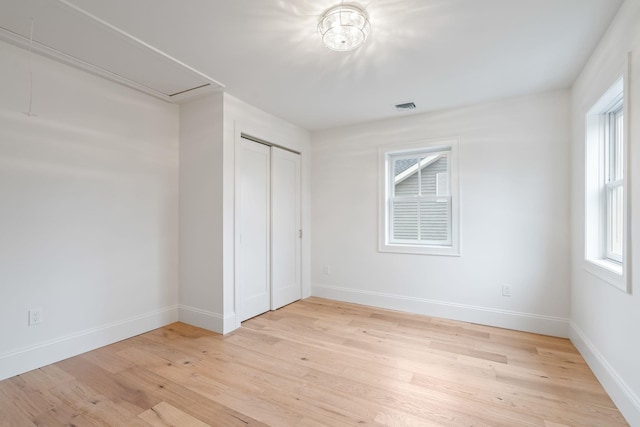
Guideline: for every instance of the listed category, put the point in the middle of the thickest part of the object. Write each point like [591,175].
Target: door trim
[270,144]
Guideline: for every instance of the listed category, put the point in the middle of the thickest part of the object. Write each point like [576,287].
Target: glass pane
[618,166]
[433,166]
[406,176]
[405,219]
[434,220]
[615,221]
[442,184]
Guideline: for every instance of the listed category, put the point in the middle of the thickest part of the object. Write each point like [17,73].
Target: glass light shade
[344,27]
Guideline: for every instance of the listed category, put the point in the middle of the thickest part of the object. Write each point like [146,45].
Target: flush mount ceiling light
[344,27]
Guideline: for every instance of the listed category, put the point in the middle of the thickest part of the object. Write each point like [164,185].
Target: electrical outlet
[327,269]
[506,290]
[35,316]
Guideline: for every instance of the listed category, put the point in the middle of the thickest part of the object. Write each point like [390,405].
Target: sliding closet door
[285,228]
[253,228]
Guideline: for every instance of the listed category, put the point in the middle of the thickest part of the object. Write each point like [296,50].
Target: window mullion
[614,184]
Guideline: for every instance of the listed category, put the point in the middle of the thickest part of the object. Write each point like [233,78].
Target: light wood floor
[318,363]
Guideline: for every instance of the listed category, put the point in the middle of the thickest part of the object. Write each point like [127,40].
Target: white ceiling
[437,53]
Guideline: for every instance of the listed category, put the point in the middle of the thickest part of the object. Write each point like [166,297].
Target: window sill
[608,271]
[420,250]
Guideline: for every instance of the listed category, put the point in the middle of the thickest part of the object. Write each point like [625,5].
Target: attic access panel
[69,34]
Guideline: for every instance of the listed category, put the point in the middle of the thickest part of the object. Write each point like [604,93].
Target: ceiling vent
[406,106]
[94,45]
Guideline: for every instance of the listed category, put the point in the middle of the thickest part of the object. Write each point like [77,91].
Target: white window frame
[600,261]
[385,191]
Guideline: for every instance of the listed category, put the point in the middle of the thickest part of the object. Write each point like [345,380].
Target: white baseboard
[547,325]
[26,359]
[209,320]
[625,399]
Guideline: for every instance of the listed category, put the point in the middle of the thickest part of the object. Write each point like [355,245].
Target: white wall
[201,266]
[605,320]
[88,212]
[514,215]
[240,117]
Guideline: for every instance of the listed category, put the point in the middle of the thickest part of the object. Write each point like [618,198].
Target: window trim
[597,258]
[385,243]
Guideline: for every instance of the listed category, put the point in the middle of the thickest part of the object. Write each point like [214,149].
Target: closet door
[254,223]
[285,228]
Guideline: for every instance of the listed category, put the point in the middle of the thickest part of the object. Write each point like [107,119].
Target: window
[614,181]
[418,198]
[605,195]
